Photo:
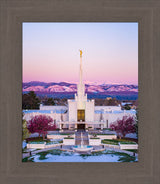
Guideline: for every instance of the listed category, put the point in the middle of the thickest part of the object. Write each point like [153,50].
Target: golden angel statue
[80,53]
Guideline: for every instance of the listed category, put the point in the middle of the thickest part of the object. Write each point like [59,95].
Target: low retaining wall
[42,146]
[36,146]
[58,136]
[112,146]
[122,146]
[128,146]
[94,141]
[69,141]
[107,136]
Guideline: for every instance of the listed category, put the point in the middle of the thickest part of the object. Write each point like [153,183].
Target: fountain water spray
[82,147]
[82,142]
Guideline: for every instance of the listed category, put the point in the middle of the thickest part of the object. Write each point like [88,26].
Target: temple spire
[81,97]
[80,86]
[80,73]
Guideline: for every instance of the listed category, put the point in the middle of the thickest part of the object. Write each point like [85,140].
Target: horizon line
[75,82]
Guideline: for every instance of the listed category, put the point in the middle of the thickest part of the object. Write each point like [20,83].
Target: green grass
[68,138]
[37,140]
[132,150]
[27,159]
[116,141]
[128,142]
[108,141]
[107,129]
[95,138]
[24,150]
[124,157]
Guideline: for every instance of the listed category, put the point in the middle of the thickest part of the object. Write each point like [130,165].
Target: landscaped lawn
[61,156]
[134,150]
[128,142]
[107,129]
[108,141]
[68,138]
[116,141]
[37,139]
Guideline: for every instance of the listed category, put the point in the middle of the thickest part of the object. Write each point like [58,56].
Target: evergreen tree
[30,101]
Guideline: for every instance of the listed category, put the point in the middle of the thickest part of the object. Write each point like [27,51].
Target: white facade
[72,110]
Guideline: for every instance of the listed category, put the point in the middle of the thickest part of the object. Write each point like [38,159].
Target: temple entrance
[80,115]
[80,126]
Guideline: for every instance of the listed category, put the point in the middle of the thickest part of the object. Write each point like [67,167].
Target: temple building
[81,113]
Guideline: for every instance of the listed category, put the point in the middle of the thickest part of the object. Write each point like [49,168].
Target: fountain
[82,147]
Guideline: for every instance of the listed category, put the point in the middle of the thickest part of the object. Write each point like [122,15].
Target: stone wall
[94,141]
[128,146]
[69,141]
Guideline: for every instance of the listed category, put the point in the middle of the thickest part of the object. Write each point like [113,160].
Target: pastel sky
[51,52]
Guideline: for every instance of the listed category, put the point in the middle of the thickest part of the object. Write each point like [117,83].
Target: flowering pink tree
[40,124]
[53,127]
[124,126]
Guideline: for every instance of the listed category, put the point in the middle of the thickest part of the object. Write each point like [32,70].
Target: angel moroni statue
[80,53]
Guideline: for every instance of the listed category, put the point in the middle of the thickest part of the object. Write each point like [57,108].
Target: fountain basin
[82,148]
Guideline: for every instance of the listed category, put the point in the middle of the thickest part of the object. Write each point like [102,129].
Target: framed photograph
[80,105]
[74,76]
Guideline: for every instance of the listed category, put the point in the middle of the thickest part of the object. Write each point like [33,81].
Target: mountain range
[65,87]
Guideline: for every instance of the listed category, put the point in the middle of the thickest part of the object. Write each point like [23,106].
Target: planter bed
[108,141]
[128,143]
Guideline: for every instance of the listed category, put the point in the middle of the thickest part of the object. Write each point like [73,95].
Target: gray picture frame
[12,14]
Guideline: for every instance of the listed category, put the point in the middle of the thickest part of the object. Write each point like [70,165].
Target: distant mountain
[65,87]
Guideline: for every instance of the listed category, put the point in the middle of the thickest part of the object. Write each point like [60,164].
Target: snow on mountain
[118,88]
[34,88]
[71,87]
[55,88]
[95,89]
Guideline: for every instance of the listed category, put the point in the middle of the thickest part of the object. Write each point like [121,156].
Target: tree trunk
[124,136]
[43,136]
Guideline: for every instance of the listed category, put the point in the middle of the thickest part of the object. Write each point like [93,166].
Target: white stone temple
[81,113]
